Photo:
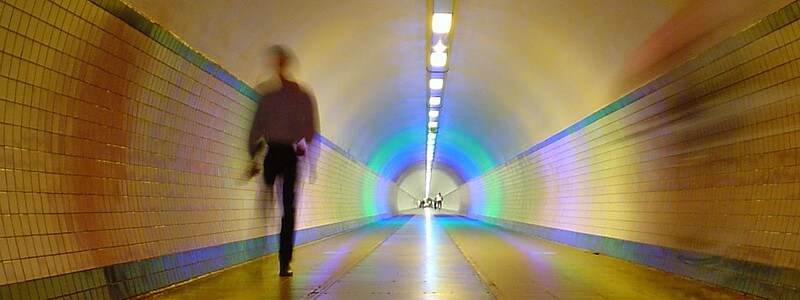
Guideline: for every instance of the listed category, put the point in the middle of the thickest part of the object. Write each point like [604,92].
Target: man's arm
[255,142]
[310,134]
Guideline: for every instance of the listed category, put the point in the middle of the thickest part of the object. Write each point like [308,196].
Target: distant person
[284,126]
[438,200]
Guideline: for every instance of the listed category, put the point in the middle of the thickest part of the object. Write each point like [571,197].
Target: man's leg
[287,221]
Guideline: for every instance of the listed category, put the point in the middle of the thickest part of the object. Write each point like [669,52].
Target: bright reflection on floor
[431,271]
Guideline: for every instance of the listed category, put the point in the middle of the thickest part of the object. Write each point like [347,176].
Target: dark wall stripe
[170,41]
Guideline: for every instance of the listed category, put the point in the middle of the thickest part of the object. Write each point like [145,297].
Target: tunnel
[603,149]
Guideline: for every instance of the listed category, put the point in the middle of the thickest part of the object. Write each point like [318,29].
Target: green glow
[368,195]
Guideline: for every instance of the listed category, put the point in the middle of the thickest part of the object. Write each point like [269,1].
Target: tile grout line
[489,285]
[328,283]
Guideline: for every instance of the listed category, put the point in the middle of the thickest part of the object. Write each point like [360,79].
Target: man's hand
[255,168]
[301,148]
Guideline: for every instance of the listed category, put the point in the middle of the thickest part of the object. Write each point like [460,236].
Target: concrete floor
[435,255]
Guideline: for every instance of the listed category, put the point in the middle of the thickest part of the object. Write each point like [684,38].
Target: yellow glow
[438,59]
[441,22]
[435,101]
[436,83]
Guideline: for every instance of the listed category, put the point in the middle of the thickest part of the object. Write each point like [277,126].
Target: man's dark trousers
[281,160]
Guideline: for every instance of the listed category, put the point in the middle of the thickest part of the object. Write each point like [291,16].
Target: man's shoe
[286,271]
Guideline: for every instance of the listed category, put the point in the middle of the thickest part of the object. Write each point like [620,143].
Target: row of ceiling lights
[437,68]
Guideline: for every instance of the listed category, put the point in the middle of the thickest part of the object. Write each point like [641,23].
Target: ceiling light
[431,136]
[433,114]
[436,83]
[435,101]
[441,22]
[433,124]
[438,59]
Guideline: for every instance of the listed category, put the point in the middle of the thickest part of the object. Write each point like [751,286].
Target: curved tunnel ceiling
[520,70]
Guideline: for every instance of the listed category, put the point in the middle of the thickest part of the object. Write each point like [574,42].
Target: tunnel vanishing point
[584,149]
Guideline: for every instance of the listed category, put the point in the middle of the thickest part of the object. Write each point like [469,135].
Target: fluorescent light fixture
[438,59]
[436,83]
[441,22]
[433,124]
[431,136]
[435,101]
[433,114]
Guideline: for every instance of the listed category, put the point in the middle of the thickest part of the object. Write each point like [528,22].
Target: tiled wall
[116,147]
[703,159]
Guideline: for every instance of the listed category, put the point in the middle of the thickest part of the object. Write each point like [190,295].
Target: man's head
[281,57]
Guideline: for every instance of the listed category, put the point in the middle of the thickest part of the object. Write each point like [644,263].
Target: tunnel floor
[435,255]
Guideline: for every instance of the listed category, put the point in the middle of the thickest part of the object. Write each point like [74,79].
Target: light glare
[435,101]
[441,22]
[436,83]
[439,47]
[438,59]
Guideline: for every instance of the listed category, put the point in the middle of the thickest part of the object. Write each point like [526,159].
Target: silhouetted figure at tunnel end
[285,126]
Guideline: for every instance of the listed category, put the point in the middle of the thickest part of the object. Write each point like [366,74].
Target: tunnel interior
[662,132]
